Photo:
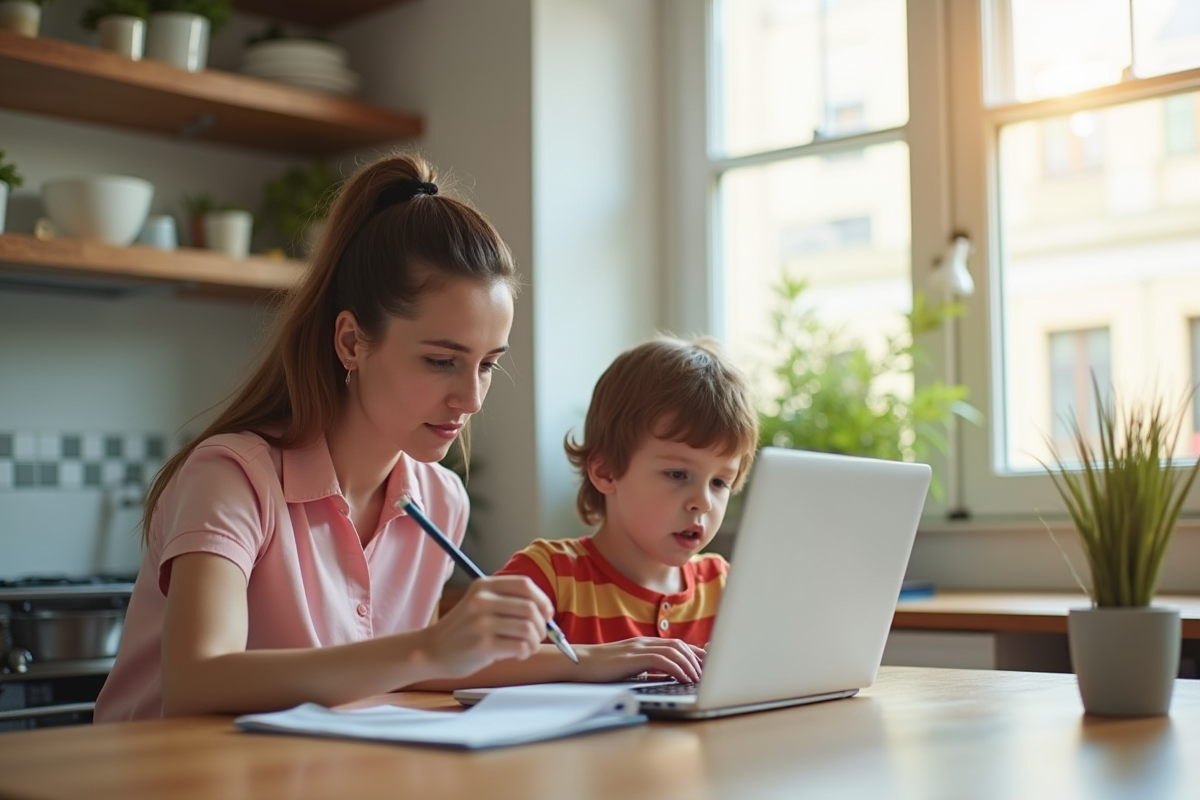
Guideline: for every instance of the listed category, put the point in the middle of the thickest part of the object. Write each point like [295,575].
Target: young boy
[670,434]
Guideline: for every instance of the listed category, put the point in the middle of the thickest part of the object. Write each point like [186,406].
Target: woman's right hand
[499,617]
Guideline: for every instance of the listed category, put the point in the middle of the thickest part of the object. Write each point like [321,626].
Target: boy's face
[671,499]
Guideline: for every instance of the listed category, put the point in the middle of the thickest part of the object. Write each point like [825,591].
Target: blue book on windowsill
[917,590]
[507,716]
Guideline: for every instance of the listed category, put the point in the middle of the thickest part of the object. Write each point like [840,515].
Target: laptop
[821,552]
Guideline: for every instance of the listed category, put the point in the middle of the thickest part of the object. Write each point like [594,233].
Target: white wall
[597,230]
[465,66]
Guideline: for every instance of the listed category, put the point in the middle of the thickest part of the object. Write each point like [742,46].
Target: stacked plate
[307,63]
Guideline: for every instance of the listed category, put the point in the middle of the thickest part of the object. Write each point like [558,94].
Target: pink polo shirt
[281,517]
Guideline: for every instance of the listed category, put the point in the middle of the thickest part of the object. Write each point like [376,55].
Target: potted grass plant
[1124,494]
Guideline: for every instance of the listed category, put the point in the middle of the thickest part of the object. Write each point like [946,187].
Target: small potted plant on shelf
[1124,494]
[9,179]
[295,204]
[23,17]
[195,206]
[227,228]
[121,23]
[180,29]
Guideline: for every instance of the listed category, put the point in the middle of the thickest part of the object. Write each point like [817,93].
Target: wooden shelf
[67,80]
[314,13]
[116,270]
[1018,612]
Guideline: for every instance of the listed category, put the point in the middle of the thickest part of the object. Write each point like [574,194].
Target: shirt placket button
[362,609]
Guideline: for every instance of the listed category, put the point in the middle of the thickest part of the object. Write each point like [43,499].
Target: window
[810,164]
[846,141]
[1085,184]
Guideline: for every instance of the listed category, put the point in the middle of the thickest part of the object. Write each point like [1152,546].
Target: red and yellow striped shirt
[597,604]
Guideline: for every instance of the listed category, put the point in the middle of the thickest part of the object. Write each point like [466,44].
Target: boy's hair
[680,390]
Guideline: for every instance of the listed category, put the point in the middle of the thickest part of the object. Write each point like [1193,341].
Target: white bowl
[306,51]
[110,208]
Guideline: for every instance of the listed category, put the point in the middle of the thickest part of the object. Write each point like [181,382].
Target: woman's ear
[601,476]
[348,340]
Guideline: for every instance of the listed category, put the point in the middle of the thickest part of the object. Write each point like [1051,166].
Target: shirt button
[345,510]
[666,606]
[362,609]
[664,625]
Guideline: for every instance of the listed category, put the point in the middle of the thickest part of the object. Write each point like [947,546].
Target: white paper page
[510,715]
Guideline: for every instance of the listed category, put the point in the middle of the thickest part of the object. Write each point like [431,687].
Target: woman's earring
[349,369]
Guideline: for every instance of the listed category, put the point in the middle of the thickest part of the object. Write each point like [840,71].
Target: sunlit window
[1099,215]
[794,77]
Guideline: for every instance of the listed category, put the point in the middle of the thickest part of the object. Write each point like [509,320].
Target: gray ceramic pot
[1126,659]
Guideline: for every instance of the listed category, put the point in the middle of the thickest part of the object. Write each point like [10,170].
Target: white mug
[228,231]
[159,232]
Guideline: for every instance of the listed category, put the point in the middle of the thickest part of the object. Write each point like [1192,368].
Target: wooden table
[918,733]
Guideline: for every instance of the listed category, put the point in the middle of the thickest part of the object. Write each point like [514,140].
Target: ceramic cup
[20,16]
[159,232]
[123,34]
[228,232]
[178,38]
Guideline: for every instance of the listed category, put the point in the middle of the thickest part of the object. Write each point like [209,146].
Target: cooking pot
[68,635]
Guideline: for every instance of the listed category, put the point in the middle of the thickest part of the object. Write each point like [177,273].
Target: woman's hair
[682,391]
[389,240]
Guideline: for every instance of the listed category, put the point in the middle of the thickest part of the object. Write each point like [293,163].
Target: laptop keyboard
[674,689]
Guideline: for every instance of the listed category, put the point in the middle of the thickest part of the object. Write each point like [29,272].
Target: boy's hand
[630,657]
[499,617]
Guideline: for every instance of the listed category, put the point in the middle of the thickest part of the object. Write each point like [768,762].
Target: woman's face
[416,387]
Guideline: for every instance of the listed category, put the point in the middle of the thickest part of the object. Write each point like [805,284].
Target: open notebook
[508,716]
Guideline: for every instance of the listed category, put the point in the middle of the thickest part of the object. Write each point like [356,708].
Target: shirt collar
[308,475]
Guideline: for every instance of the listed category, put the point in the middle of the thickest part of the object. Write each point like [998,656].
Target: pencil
[468,566]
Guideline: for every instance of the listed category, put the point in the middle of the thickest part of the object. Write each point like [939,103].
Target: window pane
[1099,231]
[839,223]
[1064,46]
[1166,36]
[1080,363]
[789,68]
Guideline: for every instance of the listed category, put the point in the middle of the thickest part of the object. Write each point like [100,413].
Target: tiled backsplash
[49,460]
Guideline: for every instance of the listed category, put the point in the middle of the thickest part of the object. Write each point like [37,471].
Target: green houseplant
[295,203]
[195,206]
[1124,498]
[827,393]
[9,179]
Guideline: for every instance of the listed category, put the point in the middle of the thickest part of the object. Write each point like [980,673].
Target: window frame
[975,127]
